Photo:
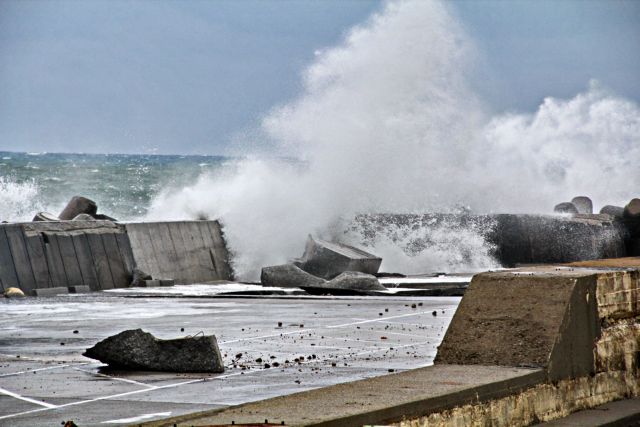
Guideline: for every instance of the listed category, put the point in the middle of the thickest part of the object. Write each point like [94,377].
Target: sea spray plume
[378,115]
[385,123]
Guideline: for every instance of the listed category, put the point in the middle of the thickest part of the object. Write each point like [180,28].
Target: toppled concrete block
[138,350]
[51,292]
[328,259]
[614,211]
[45,216]
[583,204]
[288,276]
[356,281]
[81,289]
[167,282]
[565,208]
[78,205]
[13,293]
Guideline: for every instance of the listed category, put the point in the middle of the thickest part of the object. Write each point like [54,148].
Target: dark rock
[288,276]
[45,216]
[76,206]
[565,208]
[632,210]
[328,259]
[583,204]
[614,211]
[355,280]
[138,350]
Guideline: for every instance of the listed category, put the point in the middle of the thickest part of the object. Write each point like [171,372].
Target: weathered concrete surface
[546,317]
[376,400]
[76,206]
[186,251]
[138,350]
[622,413]
[546,401]
[328,259]
[347,332]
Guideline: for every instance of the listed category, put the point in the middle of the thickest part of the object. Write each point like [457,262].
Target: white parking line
[26,399]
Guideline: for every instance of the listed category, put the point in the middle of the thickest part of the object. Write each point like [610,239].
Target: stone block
[328,259]
[83,289]
[51,292]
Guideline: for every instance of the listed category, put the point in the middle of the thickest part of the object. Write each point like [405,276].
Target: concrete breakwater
[517,238]
[101,255]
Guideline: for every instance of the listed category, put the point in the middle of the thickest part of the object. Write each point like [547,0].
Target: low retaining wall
[103,254]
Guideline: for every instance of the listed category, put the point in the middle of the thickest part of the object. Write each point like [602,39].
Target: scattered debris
[136,349]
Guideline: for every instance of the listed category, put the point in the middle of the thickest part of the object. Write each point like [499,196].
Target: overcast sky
[186,76]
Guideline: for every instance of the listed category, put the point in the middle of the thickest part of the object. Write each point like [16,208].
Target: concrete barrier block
[150,283]
[51,292]
[540,317]
[83,289]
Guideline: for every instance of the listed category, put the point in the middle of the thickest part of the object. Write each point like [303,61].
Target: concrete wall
[102,254]
[44,255]
[186,251]
[581,373]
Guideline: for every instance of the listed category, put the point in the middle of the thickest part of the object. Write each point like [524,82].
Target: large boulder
[288,276]
[328,259]
[356,281]
[138,350]
[565,208]
[76,206]
[583,204]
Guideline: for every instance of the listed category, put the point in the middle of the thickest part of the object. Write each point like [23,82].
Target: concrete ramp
[186,251]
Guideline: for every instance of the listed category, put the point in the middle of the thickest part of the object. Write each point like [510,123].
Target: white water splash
[18,200]
[386,123]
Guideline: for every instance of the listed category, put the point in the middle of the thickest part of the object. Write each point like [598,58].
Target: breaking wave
[19,200]
[386,122]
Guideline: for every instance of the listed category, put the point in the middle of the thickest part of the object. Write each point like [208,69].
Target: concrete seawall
[101,255]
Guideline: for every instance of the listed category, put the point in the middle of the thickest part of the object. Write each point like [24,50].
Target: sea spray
[386,123]
[19,201]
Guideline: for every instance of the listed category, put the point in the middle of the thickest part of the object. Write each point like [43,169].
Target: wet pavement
[45,380]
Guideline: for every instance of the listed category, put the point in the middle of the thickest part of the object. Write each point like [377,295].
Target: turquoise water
[122,185]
